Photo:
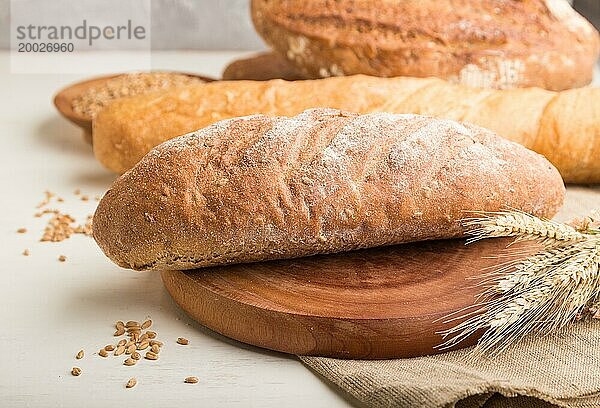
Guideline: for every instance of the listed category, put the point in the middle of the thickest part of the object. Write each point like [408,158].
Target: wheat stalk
[540,293]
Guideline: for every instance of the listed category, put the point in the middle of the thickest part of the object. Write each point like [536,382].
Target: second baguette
[563,126]
[257,188]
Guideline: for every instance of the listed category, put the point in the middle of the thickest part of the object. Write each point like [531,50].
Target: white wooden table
[50,310]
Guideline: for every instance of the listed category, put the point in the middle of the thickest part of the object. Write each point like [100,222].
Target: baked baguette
[479,43]
[564,127]
[261,67]
[257,187]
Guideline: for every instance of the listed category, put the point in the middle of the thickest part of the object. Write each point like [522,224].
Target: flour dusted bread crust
[563,126]
[257,188]
[481,43]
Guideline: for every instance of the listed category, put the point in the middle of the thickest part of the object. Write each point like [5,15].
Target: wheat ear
[540,293]
[521,225]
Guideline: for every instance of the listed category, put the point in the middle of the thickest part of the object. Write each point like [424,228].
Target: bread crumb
[62,258]
[26,252]
[22,230]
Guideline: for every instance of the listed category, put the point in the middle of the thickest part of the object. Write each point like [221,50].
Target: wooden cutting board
[368,304]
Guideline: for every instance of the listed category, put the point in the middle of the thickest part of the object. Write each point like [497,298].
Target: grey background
[209,24]
[176,24]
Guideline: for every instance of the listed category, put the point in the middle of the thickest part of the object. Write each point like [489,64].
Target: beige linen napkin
[562,368]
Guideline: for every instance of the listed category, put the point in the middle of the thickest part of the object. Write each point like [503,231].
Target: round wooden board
[368,304]
[63,100]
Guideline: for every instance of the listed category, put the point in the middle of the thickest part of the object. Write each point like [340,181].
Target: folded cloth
[560,369]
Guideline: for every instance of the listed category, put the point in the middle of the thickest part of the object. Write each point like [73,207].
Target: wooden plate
[368,304]
[63,99]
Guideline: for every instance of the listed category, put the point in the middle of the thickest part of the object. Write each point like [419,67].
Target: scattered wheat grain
[151,356]
[129,362]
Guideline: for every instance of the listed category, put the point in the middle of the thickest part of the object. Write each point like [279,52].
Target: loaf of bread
[564,127]
[261,67]
[257,187]
[480,43]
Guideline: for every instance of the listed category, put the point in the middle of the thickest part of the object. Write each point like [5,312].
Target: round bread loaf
[483,43]
[258,187]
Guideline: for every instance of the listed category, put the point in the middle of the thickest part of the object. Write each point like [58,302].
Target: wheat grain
[131,383]
[143,345]
[129,362]
[151,356]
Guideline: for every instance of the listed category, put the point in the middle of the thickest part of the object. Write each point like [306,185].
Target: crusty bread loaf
[261,67]
[257,187]
[564,127]
[481,43]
